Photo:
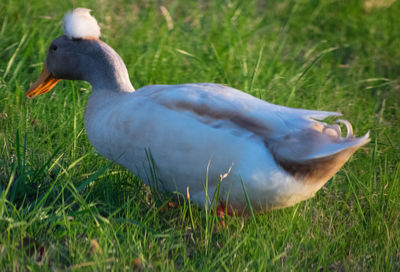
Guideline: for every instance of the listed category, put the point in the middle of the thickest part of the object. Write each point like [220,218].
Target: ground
[62,206]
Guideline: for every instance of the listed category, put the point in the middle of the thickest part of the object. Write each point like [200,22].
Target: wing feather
[291,135]
[210,102]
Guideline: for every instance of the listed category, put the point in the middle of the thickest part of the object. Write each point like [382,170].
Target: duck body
[190,137]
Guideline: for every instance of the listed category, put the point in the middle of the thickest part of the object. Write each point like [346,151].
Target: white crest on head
[79,24]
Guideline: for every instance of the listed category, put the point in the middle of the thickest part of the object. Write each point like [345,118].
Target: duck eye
[54,47]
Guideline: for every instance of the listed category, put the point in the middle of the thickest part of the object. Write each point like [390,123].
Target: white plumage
[186,136]
[79,24]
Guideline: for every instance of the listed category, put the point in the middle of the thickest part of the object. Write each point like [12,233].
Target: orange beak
[43,84]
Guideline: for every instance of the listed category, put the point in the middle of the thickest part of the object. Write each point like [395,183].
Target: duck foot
[221,213]
[169,206]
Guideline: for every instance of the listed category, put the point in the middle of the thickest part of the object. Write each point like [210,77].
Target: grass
[62,206]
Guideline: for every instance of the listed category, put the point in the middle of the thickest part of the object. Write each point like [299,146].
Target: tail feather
[315,154]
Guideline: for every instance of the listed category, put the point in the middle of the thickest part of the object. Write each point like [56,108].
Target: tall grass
[62,206]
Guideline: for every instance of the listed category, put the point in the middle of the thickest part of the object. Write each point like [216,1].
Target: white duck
[185,136]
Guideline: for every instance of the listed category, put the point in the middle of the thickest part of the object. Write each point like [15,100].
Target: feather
[79,24]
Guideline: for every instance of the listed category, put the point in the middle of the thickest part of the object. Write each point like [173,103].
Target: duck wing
[297,138]
[208,101]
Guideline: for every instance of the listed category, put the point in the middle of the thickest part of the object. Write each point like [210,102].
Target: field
[64,207]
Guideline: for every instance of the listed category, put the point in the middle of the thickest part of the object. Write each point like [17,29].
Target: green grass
[58,196]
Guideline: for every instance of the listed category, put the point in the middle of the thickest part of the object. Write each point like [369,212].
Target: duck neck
[109,71]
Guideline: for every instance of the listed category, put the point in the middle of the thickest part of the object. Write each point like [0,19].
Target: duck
[210,142]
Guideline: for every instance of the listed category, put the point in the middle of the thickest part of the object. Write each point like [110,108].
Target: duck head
[81,55]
